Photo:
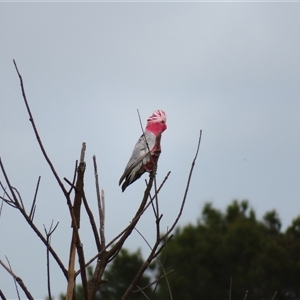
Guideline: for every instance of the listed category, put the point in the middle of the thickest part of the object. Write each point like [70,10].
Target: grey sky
[231,69]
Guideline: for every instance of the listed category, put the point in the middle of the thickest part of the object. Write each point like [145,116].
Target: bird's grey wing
[143,146]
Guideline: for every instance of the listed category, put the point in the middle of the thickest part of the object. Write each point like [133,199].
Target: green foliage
[259,258]
[233,244]
[119,276]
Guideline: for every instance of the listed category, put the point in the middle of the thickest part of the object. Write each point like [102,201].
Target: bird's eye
[163,122]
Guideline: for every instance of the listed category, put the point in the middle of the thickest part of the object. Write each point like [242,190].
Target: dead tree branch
[18,280]
[106,252]
[37,134]
[154,282]
[101,207]
[15,281]
[156,250]
[2,295]
[76,242]
[48,235]
[274,295]
[32,210]
[13,201]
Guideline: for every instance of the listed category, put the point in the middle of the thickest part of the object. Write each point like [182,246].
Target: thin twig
[141,271]
[15,281]
[72,184]
[14,198]
[9,201]
[187,186]
[92,222]
[142,291]
[155,281]
[100,206]
[246,294]
[167,280]
[20,198]
[31,214]
[161,265]
[18,280]
[102,224]
[37,134]
[48,235]
[15,204]
[4,189]
[1,207]
[274,295]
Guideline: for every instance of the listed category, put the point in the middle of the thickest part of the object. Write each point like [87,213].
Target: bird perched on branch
[146,151]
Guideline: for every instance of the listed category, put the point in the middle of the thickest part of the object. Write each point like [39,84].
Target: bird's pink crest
[158,116]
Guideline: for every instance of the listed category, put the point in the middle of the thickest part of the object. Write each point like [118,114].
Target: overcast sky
[230,69]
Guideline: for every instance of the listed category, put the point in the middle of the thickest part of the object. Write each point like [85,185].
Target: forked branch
[156,249]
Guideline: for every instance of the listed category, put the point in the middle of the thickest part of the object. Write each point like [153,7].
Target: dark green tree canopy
[255,254]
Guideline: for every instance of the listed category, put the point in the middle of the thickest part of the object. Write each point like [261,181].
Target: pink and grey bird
[146,151]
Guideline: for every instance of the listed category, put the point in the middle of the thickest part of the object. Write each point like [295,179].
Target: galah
[146,151]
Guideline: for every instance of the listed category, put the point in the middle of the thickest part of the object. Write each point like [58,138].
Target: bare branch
[187,186]
[136,218]
[92,222]
[37,134]
[79,188]
[102,220]
[9,201]
[4,190]
[2,295]
[20,198]
[142,291]
[18,280]
[161,185]
[100,254]
[100,206]
[246,294]
[15,203]
[274,295]
[154,282]
[14,198]
[48,235]
[75,242]
[17,290]
[1,207]
[164,271]
[109,255]
[31,214]
[160,263]
[72,184]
